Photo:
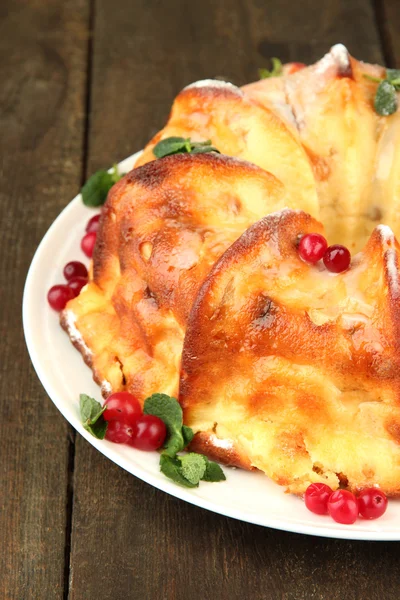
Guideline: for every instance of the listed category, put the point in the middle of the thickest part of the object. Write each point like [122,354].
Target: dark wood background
[84,83]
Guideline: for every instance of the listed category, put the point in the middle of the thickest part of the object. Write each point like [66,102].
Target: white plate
[246,496]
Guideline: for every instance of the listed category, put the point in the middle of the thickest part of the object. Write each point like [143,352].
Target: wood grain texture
[388,17]
[43,48]
[129,540]
[146,51]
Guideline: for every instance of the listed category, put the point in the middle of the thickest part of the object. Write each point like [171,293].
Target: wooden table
[85,83]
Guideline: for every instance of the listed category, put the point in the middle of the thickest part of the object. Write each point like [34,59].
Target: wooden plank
[129,540]
[43,49]
[388,17]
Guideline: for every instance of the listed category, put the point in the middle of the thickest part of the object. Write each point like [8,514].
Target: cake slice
[162,228]
[295,371]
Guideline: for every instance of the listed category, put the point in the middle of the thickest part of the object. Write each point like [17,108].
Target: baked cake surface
[294,371]
[316,130]
[285,368]
[162,228]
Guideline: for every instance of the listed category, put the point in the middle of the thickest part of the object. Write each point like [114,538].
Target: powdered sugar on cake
[337,57]
[216,84]
[105,387]
[69,319]
[218,443]
[387,237]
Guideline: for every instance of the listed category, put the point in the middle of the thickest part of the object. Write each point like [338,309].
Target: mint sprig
[385,101]
[188,469]
[187,434]
[393,75]
[92,416]
[180,145]
[172,468]
[170,411]
[213,472]
[276,70]
[193,467]
[95,191]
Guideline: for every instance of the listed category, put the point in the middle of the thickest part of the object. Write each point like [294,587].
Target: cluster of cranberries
[128,425]
[75,272]
[343,506]
[314,247]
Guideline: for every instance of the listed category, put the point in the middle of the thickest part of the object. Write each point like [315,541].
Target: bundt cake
[197,287]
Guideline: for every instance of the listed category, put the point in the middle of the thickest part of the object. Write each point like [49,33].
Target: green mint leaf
[193,467]
[385,103]
[276,70]
[187,434]
[90,409]
[264,73]
[204,149]
[168,410]
[92,416]
[213,472]
[396,84]
[372,78]
[172,468]
[179,145]
[199,144]
[392,75]
[171,145]
[115,174]
[95,191]
[98,430]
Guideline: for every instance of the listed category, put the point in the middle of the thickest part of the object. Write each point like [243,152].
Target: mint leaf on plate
[168,410]
[92,416]
[187,434]
[213,472]
[193,467]
[172,468]
[95,191]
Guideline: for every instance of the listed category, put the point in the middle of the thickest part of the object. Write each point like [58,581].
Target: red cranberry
[119,432]
[316,498]
[58,296]
[337,258]
[93,224]
[75,269]
[343,507]
[87,243]
[76,284]
[150,433]
[372,503]
[312,247]
[122,406]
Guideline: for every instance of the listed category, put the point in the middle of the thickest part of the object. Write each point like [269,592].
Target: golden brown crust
[299,368]
[161,230]
[67,323]
[240,126]
[207,443]
[316,130]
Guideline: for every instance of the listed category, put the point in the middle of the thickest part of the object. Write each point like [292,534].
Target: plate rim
[347,532]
